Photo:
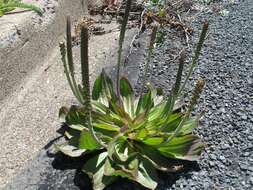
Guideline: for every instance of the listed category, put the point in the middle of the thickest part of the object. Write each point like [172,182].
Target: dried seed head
[62,48]
[196,94]
[153,36]
[196,53]
[205,25]
[202,38]
[69,45]
[121,42]
[182,58]
[200,84]
[85,55]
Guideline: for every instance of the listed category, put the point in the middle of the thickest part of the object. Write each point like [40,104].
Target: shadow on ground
[68,172]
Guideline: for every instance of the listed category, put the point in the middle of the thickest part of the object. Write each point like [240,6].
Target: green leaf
[158,100]
[153,141]
[72,133]
[111,171]
[117,141]
[189,126]
[97,88]
[172,122]
[114,169]
[164,124]
[169,106]
[78,127]
[156,111]
[159,161]
[125,87]
[95,168]
[123,152]
[119,111]
[106,126]
[186,147]
[103,89]
[145,103]
[70,150]
[127,94]
[119,149]
[86,141]
[100,107]
[147,175]
[108,87]
[74,115]
[140,119]
[108,119]
[141,134]
[68,135]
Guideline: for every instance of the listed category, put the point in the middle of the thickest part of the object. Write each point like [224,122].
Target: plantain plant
[9,5]
[126,135]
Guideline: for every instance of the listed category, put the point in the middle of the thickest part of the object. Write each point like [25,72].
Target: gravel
[226,64]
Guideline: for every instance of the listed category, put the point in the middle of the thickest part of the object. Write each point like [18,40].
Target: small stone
[212,164]
[222,110]
[225,147]
[244,117]
[243,167]
[222,158]
[251,180]
[246,154]
[213,157]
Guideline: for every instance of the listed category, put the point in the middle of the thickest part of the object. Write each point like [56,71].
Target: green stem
[66,70]
[174,94]
[196,94]
[121,42]
[76,91]
[86,81]
[147,62]
[196,54]
[182,57]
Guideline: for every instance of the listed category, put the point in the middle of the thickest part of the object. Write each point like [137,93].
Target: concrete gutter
[28,45]
[33,85]
[27,39]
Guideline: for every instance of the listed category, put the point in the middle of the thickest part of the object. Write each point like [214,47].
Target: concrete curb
[27,39]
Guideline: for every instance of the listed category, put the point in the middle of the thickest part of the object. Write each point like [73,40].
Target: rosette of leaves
[126,135]
[9,5]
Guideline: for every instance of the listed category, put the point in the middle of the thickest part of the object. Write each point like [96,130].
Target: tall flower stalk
[81,92]
[85,89]
[195,96]
[196,54]
[148,59]
[121,42]
[71,67]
